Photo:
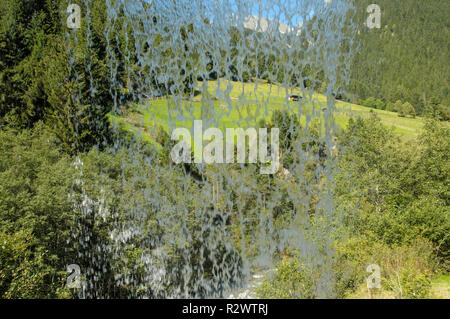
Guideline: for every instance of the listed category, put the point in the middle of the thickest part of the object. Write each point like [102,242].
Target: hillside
[155,111]
[407,58]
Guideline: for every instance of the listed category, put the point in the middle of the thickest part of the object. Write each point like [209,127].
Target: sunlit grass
[440,286]
[237,104]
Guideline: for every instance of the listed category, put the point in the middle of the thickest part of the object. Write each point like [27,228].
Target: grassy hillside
[250,102]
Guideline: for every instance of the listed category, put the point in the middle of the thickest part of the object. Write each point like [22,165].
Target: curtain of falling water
[172,231]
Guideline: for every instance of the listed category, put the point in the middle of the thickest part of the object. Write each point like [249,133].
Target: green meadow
[238,104]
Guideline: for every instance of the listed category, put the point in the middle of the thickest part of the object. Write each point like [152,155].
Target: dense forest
[69,178]
[407,60]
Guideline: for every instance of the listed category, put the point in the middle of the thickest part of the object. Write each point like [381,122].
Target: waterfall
[172,231]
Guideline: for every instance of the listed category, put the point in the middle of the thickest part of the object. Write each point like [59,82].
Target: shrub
[22,272]
[35,215]
[405,269]
[374,103]
[291,280]
[426,217]
[414,285]
[369,102]
[399,108]
[390,107]
[380,105]
[444,111]
[408,109]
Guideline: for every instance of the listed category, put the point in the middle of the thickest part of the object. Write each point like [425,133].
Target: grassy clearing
[440,287]
[408,128]
[238,104]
